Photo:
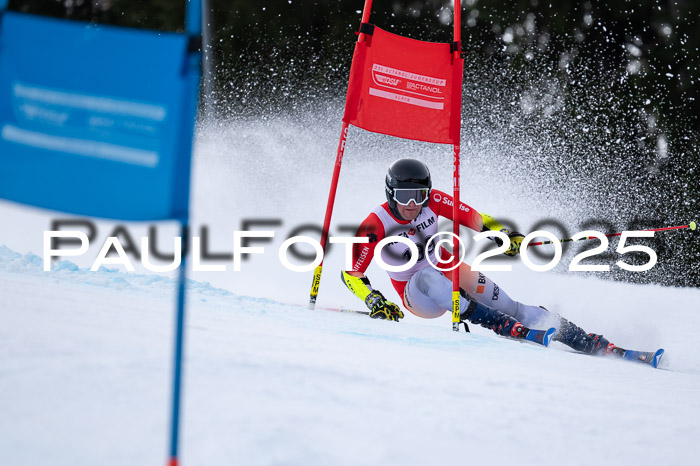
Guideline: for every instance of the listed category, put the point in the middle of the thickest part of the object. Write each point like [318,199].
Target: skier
[411,211]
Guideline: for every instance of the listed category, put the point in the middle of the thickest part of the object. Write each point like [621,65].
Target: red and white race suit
[381,224]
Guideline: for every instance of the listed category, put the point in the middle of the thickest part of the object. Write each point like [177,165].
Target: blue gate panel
[93,120]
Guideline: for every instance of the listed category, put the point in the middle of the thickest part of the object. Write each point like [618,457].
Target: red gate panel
[405,88]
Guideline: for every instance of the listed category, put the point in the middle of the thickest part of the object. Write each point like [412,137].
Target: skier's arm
[379,307]
[442,203]
[516,239]
[358,283]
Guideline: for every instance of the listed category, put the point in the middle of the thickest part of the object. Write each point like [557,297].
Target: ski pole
[343,310]
[690,226]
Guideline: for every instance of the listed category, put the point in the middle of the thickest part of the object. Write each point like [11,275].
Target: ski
[541,337]
[651,358]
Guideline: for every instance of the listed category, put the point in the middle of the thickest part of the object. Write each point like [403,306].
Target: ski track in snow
[85,379]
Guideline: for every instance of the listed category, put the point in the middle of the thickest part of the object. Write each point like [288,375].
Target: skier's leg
[485,291]
[428,294]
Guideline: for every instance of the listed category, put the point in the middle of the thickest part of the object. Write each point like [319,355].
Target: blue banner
[96,120]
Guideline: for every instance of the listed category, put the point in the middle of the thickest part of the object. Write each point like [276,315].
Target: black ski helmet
[406,174]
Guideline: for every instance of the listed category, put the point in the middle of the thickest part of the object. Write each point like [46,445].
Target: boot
[575,337]
[497,321]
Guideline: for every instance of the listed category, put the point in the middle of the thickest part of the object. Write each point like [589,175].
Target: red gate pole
[329,212]
[457,50]
[365,15]
[455,243]
[334,183]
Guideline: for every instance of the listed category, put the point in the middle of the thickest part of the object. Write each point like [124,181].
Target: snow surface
[85,357]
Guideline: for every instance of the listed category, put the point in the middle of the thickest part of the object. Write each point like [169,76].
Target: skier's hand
[381,308]
[516,239]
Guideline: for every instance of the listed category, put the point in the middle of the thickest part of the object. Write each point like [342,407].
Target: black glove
[380,308]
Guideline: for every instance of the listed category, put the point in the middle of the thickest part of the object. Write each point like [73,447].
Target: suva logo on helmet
[407,180]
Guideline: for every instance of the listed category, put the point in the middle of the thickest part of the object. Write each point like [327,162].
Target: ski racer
[411,211]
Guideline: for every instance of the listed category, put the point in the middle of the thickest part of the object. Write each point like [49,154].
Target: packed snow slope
[85,357]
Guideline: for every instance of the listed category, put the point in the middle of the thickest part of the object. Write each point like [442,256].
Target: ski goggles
[405,196]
